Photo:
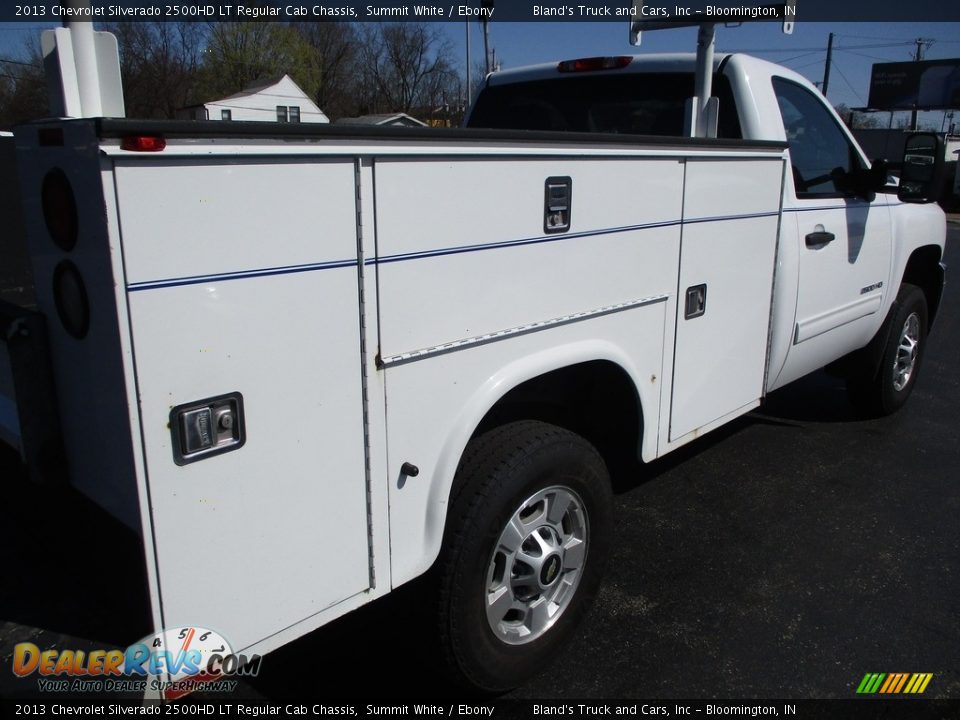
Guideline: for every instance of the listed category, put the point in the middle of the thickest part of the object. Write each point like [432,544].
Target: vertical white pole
[703,84]
[85,57]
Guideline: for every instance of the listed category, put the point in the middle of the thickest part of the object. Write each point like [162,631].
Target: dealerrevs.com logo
[173,662]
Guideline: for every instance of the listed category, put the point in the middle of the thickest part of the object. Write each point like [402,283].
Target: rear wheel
[523,554]
[888,389]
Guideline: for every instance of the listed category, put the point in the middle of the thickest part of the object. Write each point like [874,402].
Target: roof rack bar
[702,107]
[702,122]
[638,23]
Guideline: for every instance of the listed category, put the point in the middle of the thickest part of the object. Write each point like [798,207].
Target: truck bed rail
[118,128]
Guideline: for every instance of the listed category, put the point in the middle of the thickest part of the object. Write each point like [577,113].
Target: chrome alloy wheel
[907,349]
[536,565]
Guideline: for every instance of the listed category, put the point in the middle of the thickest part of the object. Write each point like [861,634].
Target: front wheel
[888,390]
[523,552]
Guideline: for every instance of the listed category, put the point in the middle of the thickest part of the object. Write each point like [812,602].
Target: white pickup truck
[307,365]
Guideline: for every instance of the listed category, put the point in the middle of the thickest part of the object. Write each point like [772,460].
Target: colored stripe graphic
[894,683]
[871,683]
[899,687]
[922,680]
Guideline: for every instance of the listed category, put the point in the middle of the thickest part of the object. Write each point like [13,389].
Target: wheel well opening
[923,270]
[596,400]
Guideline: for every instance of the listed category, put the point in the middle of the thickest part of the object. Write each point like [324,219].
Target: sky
[857,46]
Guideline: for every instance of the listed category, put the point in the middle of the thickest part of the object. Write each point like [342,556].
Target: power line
[869,57]
[810,64]
[872,46]
[797,57]
[872,37]
[773,50]
[868,46]
[22,78]
[909,41]
[849,84]
[18,62]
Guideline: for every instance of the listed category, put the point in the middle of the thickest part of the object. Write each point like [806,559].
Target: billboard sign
[926,85]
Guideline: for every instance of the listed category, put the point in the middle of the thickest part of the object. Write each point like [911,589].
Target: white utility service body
[221,266]
[370,297]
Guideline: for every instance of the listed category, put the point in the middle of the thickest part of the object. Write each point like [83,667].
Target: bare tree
[23,90]
[405,67]
[347,68]
[238,53]
[332,55]
[866,121]
[320,57]
[445,98]
[160,66]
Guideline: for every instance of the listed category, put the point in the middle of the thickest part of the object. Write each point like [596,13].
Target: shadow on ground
[70,568]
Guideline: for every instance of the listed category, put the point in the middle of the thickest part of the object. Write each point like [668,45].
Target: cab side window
[824,161]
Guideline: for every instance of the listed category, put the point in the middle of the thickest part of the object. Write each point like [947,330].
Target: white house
[272,100]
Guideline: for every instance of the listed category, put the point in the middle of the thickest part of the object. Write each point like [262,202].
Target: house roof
[381,119]
[256,86]
[260,97]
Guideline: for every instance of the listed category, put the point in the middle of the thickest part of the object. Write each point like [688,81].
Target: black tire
[886,390]
[498,473]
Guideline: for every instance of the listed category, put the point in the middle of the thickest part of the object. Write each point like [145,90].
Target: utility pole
[826,66]
[918,56]
[487,5]
[486,45]
[469,78]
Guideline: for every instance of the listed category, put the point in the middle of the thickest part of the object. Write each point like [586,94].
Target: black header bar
[881,11]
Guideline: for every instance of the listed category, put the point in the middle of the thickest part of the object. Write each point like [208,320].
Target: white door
[843,239]
[730,219]
[242,278]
